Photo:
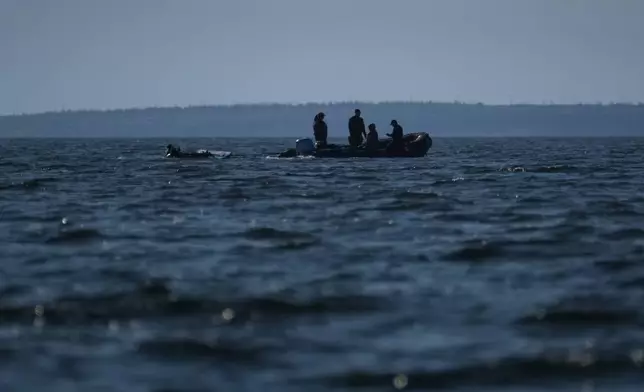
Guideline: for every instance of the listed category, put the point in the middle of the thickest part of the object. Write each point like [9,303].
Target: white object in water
[216,154]
[304,146]
[221,154]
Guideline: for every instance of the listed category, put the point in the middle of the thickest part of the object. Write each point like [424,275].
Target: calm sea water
[491,264]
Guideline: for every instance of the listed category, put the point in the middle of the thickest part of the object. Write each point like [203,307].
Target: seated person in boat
[320,130]
[372,138]
[356,129]
[397,143]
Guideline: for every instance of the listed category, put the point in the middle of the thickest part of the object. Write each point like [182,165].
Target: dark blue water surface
[489,265]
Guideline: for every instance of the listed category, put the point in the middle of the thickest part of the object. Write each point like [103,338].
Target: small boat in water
[415,145]
[175,152]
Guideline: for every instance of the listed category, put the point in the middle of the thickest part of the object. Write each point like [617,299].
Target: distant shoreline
[440,119]
[273,105]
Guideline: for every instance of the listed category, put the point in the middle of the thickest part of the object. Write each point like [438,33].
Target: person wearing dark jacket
[396,135]
[320,130]
[372,138]
[356,129]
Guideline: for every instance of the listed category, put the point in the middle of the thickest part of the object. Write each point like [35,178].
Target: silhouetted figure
[320,130]
[372,138]
[172,151]
[396,135]
[356,129]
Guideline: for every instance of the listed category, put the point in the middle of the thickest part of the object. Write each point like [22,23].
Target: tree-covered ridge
[440,119]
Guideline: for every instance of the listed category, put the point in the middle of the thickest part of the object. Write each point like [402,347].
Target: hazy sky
[68,54]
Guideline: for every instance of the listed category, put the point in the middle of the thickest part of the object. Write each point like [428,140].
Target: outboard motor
[304,146]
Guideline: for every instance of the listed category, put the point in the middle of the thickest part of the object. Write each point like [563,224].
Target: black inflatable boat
[415,145]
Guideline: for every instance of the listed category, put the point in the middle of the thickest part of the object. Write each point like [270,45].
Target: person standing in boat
[320,130]
[396,136]
[356,129]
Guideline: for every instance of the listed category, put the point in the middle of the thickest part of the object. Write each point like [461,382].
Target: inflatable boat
[415,145]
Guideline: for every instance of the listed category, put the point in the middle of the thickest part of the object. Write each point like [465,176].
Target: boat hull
[416,145]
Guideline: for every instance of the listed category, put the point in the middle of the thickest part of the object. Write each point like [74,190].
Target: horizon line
[463,136]
[319,103]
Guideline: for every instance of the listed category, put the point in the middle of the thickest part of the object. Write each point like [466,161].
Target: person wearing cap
[320,130]
[356,129]
[396,136]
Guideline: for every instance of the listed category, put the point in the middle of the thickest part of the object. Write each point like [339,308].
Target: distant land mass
[295,120]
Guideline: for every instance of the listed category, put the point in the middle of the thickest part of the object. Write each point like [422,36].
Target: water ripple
[499,264]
